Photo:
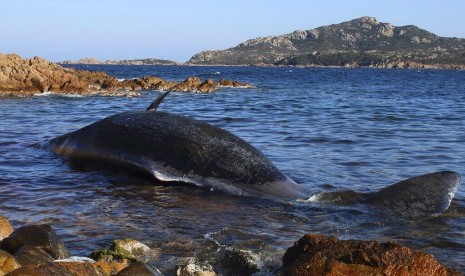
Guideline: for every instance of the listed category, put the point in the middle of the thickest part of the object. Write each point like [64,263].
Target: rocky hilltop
[362,42]
[145,61]
[27,77]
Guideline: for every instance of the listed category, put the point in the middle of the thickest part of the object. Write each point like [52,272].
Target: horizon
[64,30]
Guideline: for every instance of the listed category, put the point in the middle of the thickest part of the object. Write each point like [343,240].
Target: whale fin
[424,195]
[153,106]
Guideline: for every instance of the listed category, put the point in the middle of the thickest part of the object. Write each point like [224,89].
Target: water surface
[359,129]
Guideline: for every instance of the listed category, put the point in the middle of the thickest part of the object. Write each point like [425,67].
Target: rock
[7,263]
[236,84]
[193,268]
[5,228]
[27,77]
[125,251]
[139,269]
[190,84]
[31,255]
[41,236]
[68,269]
[323,255]
[242,262]
[208,86]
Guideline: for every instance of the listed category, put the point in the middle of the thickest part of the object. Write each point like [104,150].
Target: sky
[71,29]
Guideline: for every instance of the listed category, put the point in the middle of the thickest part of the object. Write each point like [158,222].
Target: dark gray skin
[172,147]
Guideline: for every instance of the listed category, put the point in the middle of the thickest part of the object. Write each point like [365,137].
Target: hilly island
[362,42]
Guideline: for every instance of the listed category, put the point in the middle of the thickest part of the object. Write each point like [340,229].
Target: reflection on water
[325,128]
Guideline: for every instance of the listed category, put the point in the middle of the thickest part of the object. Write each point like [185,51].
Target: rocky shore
[27,77]
[37,250]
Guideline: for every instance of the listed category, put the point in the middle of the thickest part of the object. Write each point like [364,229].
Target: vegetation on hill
[362,42]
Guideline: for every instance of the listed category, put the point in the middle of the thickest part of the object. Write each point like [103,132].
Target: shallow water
[359,129]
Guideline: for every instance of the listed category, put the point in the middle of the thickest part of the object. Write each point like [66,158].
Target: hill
[362,42]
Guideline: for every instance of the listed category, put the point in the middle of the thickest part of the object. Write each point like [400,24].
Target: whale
[176,148]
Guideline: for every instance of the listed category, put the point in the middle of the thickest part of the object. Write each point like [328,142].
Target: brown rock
[236,84]
[189,84]
[41,236]
[5,228]
[31,255]
[7,263]
[67,269]
[139,269]
[208,86]
[322,255]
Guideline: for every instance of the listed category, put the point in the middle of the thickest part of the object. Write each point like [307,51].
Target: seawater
[326,128]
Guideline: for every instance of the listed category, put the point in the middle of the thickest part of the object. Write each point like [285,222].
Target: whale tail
[424,195]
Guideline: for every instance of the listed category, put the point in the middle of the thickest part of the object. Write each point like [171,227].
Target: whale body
[173,147]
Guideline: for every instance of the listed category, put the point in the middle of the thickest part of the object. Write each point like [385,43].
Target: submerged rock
[192,267]
[241,262]
[40,236]
[323,255]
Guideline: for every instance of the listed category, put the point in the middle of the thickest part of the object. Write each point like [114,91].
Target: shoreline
[420,67]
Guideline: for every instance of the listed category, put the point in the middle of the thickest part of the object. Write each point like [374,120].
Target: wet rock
[192,267]
[125,251]
[7,263]
[140,269]
[236,84]
[5,228]
[189,84]
[241,262]
[323,255]
[41,236]
[208,86]
[60,268]
[31,255]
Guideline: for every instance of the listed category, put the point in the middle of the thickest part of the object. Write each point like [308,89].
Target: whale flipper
[153,106]
[424,195]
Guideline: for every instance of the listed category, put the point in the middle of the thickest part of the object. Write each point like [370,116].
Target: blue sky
[68,29]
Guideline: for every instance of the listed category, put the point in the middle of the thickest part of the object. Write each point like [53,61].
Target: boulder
[41,236]
[241,262]
[124,251]
[32,255]
[7,263]
[5,228]
[139,269]
[68,269]
[323,255]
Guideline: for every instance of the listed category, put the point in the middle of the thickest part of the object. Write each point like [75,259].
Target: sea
[326,128]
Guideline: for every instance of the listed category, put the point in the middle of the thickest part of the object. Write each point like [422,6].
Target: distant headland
[362,42]
[145,61]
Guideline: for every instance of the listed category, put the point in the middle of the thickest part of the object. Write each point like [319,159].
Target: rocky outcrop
[7,263]
[362,42]
[323,255]
[27,77]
